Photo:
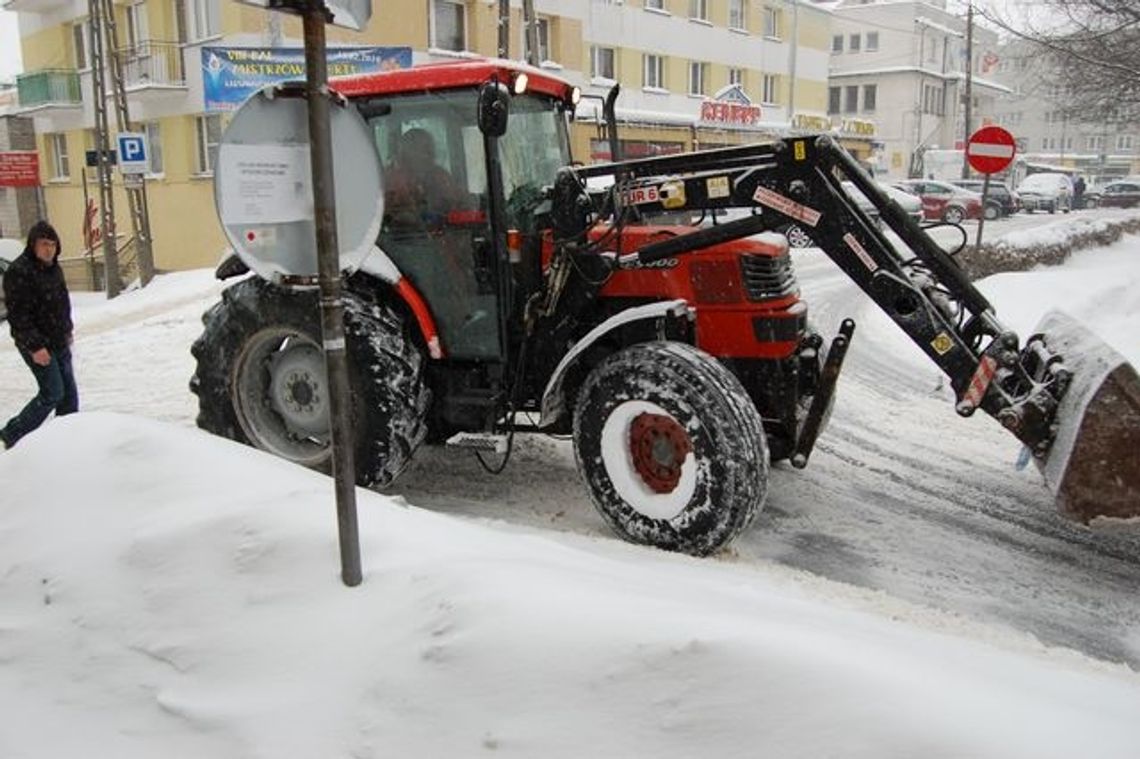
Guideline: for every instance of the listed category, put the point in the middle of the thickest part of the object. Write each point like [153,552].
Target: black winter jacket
[39,307]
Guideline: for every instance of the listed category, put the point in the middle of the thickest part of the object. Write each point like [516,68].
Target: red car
[942,201]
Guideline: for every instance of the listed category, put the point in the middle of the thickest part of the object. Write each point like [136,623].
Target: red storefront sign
[19,168]
[729,113]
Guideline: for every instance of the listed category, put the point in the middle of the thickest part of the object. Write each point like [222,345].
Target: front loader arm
[798,180]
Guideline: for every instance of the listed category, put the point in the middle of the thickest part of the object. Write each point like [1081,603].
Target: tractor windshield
[534,148]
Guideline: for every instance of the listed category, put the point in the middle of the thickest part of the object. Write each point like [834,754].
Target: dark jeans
[57,393]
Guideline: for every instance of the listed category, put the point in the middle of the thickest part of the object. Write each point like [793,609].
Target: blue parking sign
[133,158]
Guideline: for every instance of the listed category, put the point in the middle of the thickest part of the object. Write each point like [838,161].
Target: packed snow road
[901,495]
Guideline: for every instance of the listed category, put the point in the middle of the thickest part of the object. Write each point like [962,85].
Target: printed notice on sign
[264,184]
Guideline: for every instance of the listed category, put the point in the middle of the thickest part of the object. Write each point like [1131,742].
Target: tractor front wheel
[261,379]
[671,448]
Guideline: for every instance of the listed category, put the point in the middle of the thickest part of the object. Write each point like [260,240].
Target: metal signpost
[989,150]
[353,14]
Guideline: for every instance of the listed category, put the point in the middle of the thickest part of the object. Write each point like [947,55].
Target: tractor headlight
[520,83]
[575,96]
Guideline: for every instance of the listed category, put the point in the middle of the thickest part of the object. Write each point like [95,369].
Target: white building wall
[921,45]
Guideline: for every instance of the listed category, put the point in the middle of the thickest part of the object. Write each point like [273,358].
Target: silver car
[1047,191]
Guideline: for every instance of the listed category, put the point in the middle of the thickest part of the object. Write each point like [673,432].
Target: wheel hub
[658,446]
[297,390]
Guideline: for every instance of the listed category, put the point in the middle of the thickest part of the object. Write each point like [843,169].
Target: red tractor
[514,291]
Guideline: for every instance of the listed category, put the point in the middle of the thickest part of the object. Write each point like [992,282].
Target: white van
[1048,191]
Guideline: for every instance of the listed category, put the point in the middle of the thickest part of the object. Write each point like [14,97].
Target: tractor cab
[439,224]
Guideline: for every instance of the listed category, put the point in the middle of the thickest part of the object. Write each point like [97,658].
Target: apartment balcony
[153,70]
[48,90]
[32,6]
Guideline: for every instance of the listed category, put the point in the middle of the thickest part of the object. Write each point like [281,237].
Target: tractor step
[487,442]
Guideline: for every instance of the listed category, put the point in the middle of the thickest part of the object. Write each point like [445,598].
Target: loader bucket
[1093,465]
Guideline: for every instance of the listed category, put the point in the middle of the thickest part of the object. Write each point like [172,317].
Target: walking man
[39,315]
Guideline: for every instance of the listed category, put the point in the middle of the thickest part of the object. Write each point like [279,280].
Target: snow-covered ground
[166,593]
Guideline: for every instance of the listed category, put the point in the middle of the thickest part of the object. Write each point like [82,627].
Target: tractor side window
[435,213]
[475,169]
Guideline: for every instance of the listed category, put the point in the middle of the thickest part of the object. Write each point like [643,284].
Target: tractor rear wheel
[671,447]
[261,379]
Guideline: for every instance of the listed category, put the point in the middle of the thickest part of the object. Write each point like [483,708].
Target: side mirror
[494,106]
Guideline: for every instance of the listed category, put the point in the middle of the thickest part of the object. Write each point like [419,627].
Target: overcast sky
[9,46]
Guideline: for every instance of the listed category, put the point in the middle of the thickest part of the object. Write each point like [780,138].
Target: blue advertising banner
[231,74]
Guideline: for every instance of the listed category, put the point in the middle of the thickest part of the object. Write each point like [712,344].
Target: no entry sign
[990,149]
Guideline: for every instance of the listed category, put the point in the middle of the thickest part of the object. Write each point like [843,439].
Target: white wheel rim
[627,482]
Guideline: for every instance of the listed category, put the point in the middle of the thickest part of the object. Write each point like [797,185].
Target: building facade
[19,206]
[672,58]
[1038,112]
[903,65]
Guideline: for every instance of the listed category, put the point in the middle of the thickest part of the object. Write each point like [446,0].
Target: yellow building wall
[184,227]
[814,30]
[811,95]
[48,49]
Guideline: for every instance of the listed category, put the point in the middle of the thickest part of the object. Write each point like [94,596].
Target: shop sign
[232,74]
[730,107]
[860,127]
[811,123]
[19,168]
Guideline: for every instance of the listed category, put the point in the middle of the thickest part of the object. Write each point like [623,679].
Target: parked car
[799,238]
[999,201]
[9,250]
[1125,194]
[1048,191]
[942,201]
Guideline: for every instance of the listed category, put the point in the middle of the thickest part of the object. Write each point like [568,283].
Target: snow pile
[153,607]
[1049,244]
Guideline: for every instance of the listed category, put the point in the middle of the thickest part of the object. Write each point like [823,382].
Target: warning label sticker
[860,251]
[942,344]
[786,206]
[717,187]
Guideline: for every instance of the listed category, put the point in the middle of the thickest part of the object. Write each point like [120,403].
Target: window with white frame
[699,9]
[57,153]
[81,43]
[138,28]
[851,99]
[154,146]
[736,76]
[602,63]
[207,135]
[655,5]
[872,42]
[870,96]
[653,71]
[834,96]
[837,43]
[449,25]
[542,32]
[1096,143]
[771,22]
[203,19]
[737,18]
[768,88]
[1124,142]
[1068,143]
[698,74]
[855,43]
